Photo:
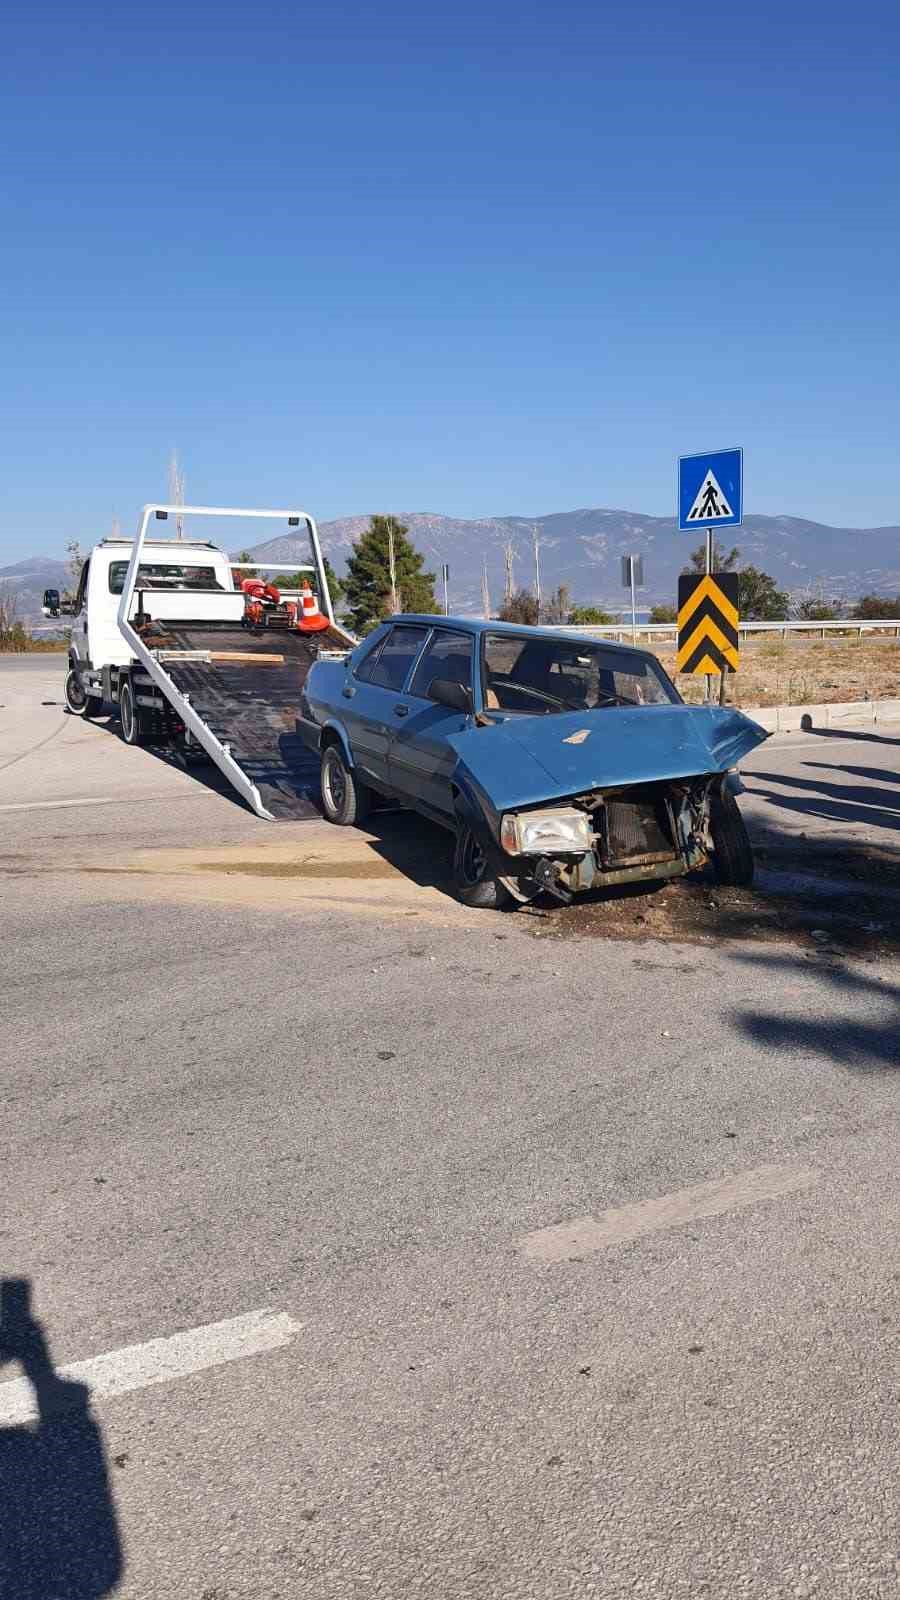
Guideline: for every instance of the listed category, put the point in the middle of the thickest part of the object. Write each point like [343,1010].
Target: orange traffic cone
[310,619]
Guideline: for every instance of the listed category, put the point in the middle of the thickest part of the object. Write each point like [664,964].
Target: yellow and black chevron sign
[708,623]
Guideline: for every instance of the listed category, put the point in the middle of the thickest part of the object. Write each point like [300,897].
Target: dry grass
[802,671]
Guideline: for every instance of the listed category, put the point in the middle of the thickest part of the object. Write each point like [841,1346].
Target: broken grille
[638,830]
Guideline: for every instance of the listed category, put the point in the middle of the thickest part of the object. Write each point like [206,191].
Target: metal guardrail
[621,631]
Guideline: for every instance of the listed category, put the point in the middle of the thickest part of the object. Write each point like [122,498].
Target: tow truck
[188,654]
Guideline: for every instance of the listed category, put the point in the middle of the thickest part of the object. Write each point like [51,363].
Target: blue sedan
[560,762]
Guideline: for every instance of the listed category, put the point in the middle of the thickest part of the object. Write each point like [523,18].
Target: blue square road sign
[711,490]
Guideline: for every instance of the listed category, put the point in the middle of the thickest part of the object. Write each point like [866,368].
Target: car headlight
[538,833]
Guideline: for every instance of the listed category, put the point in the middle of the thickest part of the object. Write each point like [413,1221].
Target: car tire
[345,801]
[78,701]
[129,715]
[475,884]
[732,851]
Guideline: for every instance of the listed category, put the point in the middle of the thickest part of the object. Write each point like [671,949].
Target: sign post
[710,493]
[633,578]
[445,574]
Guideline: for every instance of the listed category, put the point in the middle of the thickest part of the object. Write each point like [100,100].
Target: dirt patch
[841,899]
[310,868]
[799,670]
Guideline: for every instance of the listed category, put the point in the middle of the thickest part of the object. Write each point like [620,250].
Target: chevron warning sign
[708,623]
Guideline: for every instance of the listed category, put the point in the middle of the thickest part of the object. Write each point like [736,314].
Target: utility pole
[509,554]
[485,593]
[537,569]
[392,569]
[176,492]
[445,575]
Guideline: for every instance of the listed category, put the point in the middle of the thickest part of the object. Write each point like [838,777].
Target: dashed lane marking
[138,1366]
[583,1235]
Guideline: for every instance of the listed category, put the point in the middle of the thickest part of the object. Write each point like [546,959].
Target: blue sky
[495,258]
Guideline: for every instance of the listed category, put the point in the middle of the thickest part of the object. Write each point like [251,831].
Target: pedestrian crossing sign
[710,490]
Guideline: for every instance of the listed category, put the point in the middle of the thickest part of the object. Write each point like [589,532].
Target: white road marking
[137,1366]
[53,805]
[108,800]
[583,1235]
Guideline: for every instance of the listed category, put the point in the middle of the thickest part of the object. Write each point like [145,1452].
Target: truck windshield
[532,675]
[168,575]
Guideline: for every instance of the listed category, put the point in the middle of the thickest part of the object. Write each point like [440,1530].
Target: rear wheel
[475,883]
[732,850]
[129,715]
[79,702]
[345,800]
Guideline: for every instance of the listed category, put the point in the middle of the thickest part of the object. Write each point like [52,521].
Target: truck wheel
[475,886]
[732,850]
[129,716]
[79,702]
[345,800]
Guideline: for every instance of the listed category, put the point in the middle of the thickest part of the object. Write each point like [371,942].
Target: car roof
[479,626]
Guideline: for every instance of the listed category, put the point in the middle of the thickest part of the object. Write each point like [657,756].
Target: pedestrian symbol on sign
[710,503]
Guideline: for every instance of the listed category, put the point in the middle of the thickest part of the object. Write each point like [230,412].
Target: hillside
[583,549]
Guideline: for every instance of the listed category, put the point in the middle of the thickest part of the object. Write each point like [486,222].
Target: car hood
[523,760]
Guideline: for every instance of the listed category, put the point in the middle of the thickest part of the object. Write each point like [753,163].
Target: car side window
[449,655]
[366,665]
[390,665]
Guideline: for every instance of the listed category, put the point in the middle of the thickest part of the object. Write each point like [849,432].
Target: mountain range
[581,549]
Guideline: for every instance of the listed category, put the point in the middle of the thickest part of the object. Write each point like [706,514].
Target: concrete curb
[790,719]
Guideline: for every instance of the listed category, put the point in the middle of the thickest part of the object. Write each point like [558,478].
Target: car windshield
[168,575]
[532,675]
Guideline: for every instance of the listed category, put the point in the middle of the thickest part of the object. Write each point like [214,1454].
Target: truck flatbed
[253,708]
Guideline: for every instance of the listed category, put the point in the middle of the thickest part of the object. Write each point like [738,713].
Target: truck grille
[638,830]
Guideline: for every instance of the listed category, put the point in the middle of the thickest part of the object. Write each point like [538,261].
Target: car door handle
[401,711]
[348,692]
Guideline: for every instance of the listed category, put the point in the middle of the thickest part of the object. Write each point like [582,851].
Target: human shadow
[59,1537]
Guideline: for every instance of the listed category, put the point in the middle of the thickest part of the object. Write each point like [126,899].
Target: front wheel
[732,850]
[475,883]
[129,717]
[345,800]
[79,702]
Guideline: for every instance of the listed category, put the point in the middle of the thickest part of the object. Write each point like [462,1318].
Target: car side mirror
[453,695]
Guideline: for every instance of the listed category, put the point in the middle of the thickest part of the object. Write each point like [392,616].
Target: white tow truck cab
[163,635]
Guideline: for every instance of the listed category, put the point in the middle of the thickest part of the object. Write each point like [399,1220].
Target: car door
[420,761]
[371,693]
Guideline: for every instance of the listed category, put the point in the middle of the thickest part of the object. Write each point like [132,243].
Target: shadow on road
[861,1047]
[865,802]
[59,1538]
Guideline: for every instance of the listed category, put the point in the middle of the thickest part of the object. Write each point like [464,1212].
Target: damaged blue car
[560,762]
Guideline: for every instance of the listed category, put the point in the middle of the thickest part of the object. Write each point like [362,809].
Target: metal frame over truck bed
[241,712]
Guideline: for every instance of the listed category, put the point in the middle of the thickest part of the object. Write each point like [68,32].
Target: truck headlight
[538,833]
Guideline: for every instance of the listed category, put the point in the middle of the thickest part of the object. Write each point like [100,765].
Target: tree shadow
[59,1536]
[836,802]
[847,733]
[860,1047]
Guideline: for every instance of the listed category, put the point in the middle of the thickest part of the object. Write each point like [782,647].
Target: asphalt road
[577,1259]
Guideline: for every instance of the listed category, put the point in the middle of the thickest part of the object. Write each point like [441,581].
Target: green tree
[240,573]
[371,590]
[521,607]
[872,607]
[663,614]
[758,598]
[294,580]
[556,609]
[589,617]
[722,560]
[817,609]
